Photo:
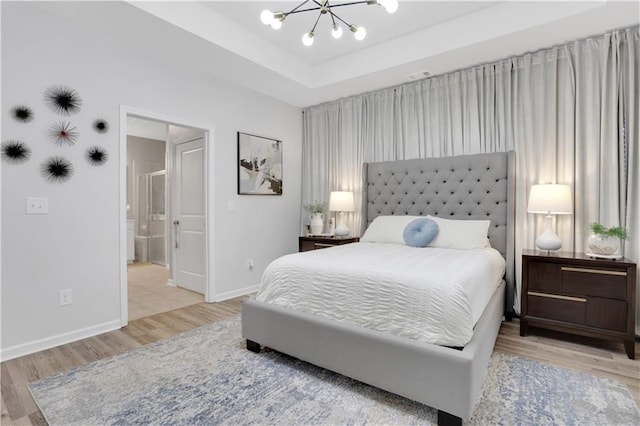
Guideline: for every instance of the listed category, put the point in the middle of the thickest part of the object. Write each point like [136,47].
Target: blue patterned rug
[206,376]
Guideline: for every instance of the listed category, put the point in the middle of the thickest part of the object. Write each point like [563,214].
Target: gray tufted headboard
[479,186]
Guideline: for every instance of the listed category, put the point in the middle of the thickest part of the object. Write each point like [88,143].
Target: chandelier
[275,19]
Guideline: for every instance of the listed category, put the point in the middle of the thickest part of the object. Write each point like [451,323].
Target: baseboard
[235,293]
[60,339]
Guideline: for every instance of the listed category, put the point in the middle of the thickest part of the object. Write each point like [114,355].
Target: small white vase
[317,223]
[604,246]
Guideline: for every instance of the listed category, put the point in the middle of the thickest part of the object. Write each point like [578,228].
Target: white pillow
[461,234]
[387,229]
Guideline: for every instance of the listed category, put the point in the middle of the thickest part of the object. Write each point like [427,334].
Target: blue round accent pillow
[420,232]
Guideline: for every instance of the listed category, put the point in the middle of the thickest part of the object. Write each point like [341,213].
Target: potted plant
[605,242]
[316,211]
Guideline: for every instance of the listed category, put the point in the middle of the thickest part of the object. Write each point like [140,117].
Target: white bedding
[432,295]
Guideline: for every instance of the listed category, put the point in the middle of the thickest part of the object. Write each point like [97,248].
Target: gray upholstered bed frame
[464,187]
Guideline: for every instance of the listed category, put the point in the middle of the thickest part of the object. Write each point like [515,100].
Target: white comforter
[432,295]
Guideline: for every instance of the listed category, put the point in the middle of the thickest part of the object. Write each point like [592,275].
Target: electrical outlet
[37,205]
[250,264]
[65,297]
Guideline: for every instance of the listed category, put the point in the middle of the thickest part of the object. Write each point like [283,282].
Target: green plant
[316,207]
[614,231]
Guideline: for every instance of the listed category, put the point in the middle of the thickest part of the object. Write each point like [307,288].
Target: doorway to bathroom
[152,204]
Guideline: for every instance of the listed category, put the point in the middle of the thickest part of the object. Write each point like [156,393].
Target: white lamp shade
[341,201]
[550,199]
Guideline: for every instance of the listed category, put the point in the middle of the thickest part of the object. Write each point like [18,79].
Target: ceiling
[226,39]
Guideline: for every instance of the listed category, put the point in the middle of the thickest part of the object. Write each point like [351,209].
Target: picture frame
[259,165]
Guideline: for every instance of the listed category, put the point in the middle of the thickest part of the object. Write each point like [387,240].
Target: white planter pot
[317,223]
[603,246]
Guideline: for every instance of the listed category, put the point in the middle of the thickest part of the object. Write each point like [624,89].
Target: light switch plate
[37,205]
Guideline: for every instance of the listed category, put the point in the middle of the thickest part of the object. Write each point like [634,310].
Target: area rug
[206,376]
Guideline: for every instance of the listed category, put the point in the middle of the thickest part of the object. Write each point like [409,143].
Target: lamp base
[341,229]
[548,240]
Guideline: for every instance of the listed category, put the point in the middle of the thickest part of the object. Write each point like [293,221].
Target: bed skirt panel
[444,378]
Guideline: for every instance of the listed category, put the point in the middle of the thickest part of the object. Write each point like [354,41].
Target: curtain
[629,49]
[569,112]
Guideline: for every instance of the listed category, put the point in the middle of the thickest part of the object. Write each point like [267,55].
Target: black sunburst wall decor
[56,169]
[15,152]
[22,113]
[63,134]
[97,155]
[63,100]
[101,126]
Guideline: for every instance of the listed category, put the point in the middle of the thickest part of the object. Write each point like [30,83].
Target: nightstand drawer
[561,308]
[607,314]
[544,276]
[607,283]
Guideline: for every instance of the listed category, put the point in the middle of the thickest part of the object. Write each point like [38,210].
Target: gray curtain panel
[569,112]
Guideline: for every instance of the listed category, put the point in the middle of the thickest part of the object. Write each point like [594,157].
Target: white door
[189,221]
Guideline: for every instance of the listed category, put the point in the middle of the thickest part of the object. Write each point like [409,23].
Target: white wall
[76,245]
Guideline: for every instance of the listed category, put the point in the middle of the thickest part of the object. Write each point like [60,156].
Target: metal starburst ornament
[22,113]
[63,100]
[56,169]
[15,152]
[63,133]
[97,155]
[101,126]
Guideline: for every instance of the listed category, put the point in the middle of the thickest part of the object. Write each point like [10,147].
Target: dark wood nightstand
[574,293]
[313,243]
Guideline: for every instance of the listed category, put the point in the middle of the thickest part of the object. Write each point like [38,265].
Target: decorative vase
[600,245]
[317,223]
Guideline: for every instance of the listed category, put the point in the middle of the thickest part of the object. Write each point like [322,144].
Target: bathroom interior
[150,290]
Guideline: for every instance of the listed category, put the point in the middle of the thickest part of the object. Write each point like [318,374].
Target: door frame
[208,130]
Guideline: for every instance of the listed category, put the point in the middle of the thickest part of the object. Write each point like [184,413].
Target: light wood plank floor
[601,358]
[149,293]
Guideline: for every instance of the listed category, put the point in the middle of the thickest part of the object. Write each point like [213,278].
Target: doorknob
[176,223]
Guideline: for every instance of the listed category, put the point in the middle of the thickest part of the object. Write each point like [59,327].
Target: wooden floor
[149,294]
[595,357]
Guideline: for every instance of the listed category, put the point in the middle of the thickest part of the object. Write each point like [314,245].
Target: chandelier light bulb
[391,6]
[266,17]
[307,39]
[336,32]
[276,24]
[359,32]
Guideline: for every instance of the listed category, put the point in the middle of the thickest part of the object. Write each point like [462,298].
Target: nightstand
[574,293]
[313,243]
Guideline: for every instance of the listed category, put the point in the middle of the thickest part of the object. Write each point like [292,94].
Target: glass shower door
[157,218]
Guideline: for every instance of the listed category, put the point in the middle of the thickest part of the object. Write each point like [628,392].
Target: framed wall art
[259,165]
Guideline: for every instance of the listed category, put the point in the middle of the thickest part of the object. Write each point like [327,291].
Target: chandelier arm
[303,10]
[351,3]
[295,9]
[316,24]
[339,18]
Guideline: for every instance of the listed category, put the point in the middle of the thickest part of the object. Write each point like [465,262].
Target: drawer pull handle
[594,271]
[323,245]
[557,296]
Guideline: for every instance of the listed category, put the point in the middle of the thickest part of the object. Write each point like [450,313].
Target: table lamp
[341,201]
[549,199]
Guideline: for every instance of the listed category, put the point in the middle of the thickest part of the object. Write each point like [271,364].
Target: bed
[471,187]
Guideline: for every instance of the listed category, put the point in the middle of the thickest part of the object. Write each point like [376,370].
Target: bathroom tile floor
[149,293]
